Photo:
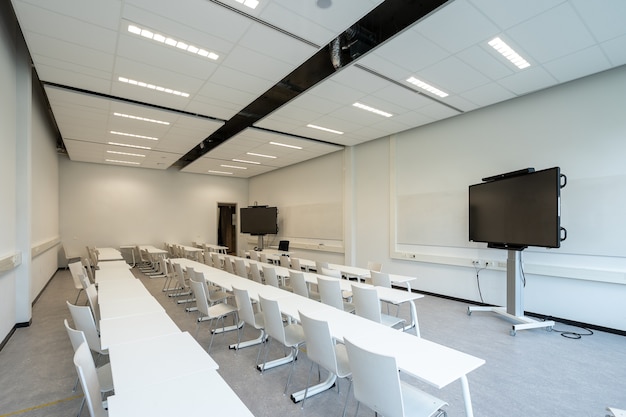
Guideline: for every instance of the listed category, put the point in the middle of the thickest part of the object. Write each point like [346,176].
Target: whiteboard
[313,221]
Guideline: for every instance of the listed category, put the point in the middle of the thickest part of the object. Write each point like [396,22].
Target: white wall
[8,204]
[578,126]
[107,205]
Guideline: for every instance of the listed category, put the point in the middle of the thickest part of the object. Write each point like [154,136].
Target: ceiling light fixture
[143,119]
[249,3]
[219,172]
[243,161]
[325,129]
[233,166]
[508,52]
[127,154]
[122,162]
[132,135]
[129,146]
[285,145]
[427,87]
[152,87]
[260,155]
[166,40]
[372,109]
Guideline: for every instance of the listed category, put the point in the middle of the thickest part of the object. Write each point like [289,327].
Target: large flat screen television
[259,220]
[517,210]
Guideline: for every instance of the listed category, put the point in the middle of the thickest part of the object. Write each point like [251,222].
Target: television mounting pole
[514,298]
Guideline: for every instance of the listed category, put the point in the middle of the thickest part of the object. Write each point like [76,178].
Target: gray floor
[536,373]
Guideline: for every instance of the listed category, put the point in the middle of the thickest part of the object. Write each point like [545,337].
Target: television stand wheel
[469,311]
[513,332]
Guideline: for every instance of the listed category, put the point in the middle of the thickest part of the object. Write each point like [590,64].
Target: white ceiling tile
[508,13]
[529,80]
[615,49]
[488,94]
[452,76]
[578,64]
[604,21]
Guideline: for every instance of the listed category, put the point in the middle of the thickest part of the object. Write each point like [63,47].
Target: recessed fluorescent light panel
[249,3]
[127,154]
[115,161]
[243,161]
[508,52]
[325,129]
[129,145]
[166,40]
[132,135]
[142,119]
[152,87]
[219,172]
[285,145]
[427,87]
[372,110]
[233,166]
[260,155]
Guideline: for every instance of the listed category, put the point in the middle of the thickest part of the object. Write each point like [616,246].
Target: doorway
[227,226]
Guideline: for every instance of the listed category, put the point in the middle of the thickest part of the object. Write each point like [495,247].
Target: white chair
[170,276]
[183,287]
[215,294]
[92,297]
[377,384]
[255,274]
[291,335]
[88,267]
[284,261]
[215,312]
[300,286]
[270,277]
[217,262]
[374,266]
[76,270]
[367,305]
[335,273]
[254,255]
[322,349]
[295,264]
[84,321]
[381,279]
[263,258]
[319,265]
[228,265]
[248,316]
[88,376]
[105,378]
[330,294]
[240,268]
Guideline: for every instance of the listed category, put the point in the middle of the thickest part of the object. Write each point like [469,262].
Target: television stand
[514,299]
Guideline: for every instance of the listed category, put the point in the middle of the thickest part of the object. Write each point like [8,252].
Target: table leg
[467,397]
[414,323]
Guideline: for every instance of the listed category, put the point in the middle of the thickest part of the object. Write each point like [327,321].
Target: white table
[113,265]
[131,306]
[109,254]
[117,289]
[197,395]
[214,248]
[109,274]
[146,362]
[131,328]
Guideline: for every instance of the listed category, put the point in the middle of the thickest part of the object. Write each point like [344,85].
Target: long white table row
[427,361]
[142,340]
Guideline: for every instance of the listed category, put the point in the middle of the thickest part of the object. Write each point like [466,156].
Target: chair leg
[306,390]
[293,364]
[345,406]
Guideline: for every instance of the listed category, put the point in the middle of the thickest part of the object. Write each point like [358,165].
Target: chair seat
[219,295]
[343,364]
[348,307]
[105,377]
[419,403]
[294,335]
[390,321]
[220,310]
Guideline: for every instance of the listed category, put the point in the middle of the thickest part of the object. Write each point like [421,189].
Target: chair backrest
[366,302]
[76,336]
[284,261]
[87,265]
[92,296]
[376,380]
[319,265]
[228,265]
[200,293]
[330,292]
[283,245]
[380,279]
[255,274]
[86,369]
[273,320]
[269,273]
[76,270]
[335,273]
[298,283]
[84,321]
[320,345]
[254,255]
[215,257]
[180,276]
[240,268]
[263,257]
[295,264]
[374,266]
[244,306]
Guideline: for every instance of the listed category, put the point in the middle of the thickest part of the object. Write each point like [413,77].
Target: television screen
[259,220]
[517,211]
